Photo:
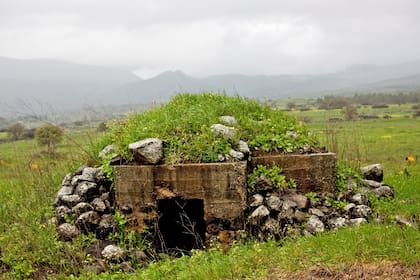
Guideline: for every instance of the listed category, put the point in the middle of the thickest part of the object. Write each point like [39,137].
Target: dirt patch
[367,271]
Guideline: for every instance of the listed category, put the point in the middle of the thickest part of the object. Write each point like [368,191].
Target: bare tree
[16,131]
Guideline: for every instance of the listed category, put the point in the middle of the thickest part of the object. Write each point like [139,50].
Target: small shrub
[102,127]
[333,120]
[343,173]
[337,204]
[78,123]
[379,106]
[291,105]
[275,174]
[313,196]
[332,102]
[368,117]
[304,108]
[305,119]
[350,112]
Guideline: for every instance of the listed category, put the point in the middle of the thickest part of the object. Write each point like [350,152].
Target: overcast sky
[212,36]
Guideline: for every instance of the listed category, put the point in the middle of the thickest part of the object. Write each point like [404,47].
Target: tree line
[373,99]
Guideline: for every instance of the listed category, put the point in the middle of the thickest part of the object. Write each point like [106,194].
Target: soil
[364,271]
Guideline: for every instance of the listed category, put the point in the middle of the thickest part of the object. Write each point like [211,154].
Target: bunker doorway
[181,225]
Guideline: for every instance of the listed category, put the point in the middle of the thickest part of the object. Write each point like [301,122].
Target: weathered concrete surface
[312,172]
[221,186]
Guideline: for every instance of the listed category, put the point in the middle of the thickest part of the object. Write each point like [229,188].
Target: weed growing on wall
[275,174]
[343,173]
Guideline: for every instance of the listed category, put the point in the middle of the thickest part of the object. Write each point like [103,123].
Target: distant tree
[16,131]
[332,102]
[29,134]
[291,105]
[78,123]
[350,112]
[49,135]
[385,98]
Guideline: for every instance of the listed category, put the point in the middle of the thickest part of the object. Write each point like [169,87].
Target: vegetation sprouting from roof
[184,124]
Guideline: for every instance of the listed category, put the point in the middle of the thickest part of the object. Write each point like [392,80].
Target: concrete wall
[221,186]
[312,172]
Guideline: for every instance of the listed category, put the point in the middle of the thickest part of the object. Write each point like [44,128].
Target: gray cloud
[210,37]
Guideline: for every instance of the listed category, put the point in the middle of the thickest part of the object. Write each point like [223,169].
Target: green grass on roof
[184,123]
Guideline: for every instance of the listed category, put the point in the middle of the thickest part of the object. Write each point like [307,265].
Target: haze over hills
[55,86]
[39,84]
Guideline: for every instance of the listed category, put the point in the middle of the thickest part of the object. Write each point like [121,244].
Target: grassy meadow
[29,180]
[387,141]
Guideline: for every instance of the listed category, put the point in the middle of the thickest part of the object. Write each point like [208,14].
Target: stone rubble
[243,147]
[314,225]
[236,155]
[373,172]
[79,204]
[112,252]
[283,212]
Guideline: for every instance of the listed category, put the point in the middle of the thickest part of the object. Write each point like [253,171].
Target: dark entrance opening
[181,225]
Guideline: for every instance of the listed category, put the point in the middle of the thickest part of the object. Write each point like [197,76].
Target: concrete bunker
[186,204]
[159,197]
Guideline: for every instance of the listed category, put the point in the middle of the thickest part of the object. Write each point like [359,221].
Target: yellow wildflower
[410,159]
[34,166]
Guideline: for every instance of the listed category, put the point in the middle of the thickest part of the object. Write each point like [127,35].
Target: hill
[47,86]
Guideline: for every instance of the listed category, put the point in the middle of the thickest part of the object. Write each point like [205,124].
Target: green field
[29,180]
[385,141]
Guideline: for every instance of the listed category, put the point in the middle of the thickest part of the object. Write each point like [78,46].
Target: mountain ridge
[68,86]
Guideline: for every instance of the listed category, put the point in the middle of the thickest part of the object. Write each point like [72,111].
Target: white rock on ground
[225,131]
[113,252]
[230,120]
[315,225]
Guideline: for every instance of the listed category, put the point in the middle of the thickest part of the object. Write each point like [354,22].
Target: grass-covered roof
[184,124]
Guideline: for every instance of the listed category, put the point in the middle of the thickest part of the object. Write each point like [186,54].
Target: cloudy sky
[213,37]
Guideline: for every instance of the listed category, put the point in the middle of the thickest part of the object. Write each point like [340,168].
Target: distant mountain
[159,88]
[48,85]
[59,86]
[52,70]
[393,85]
